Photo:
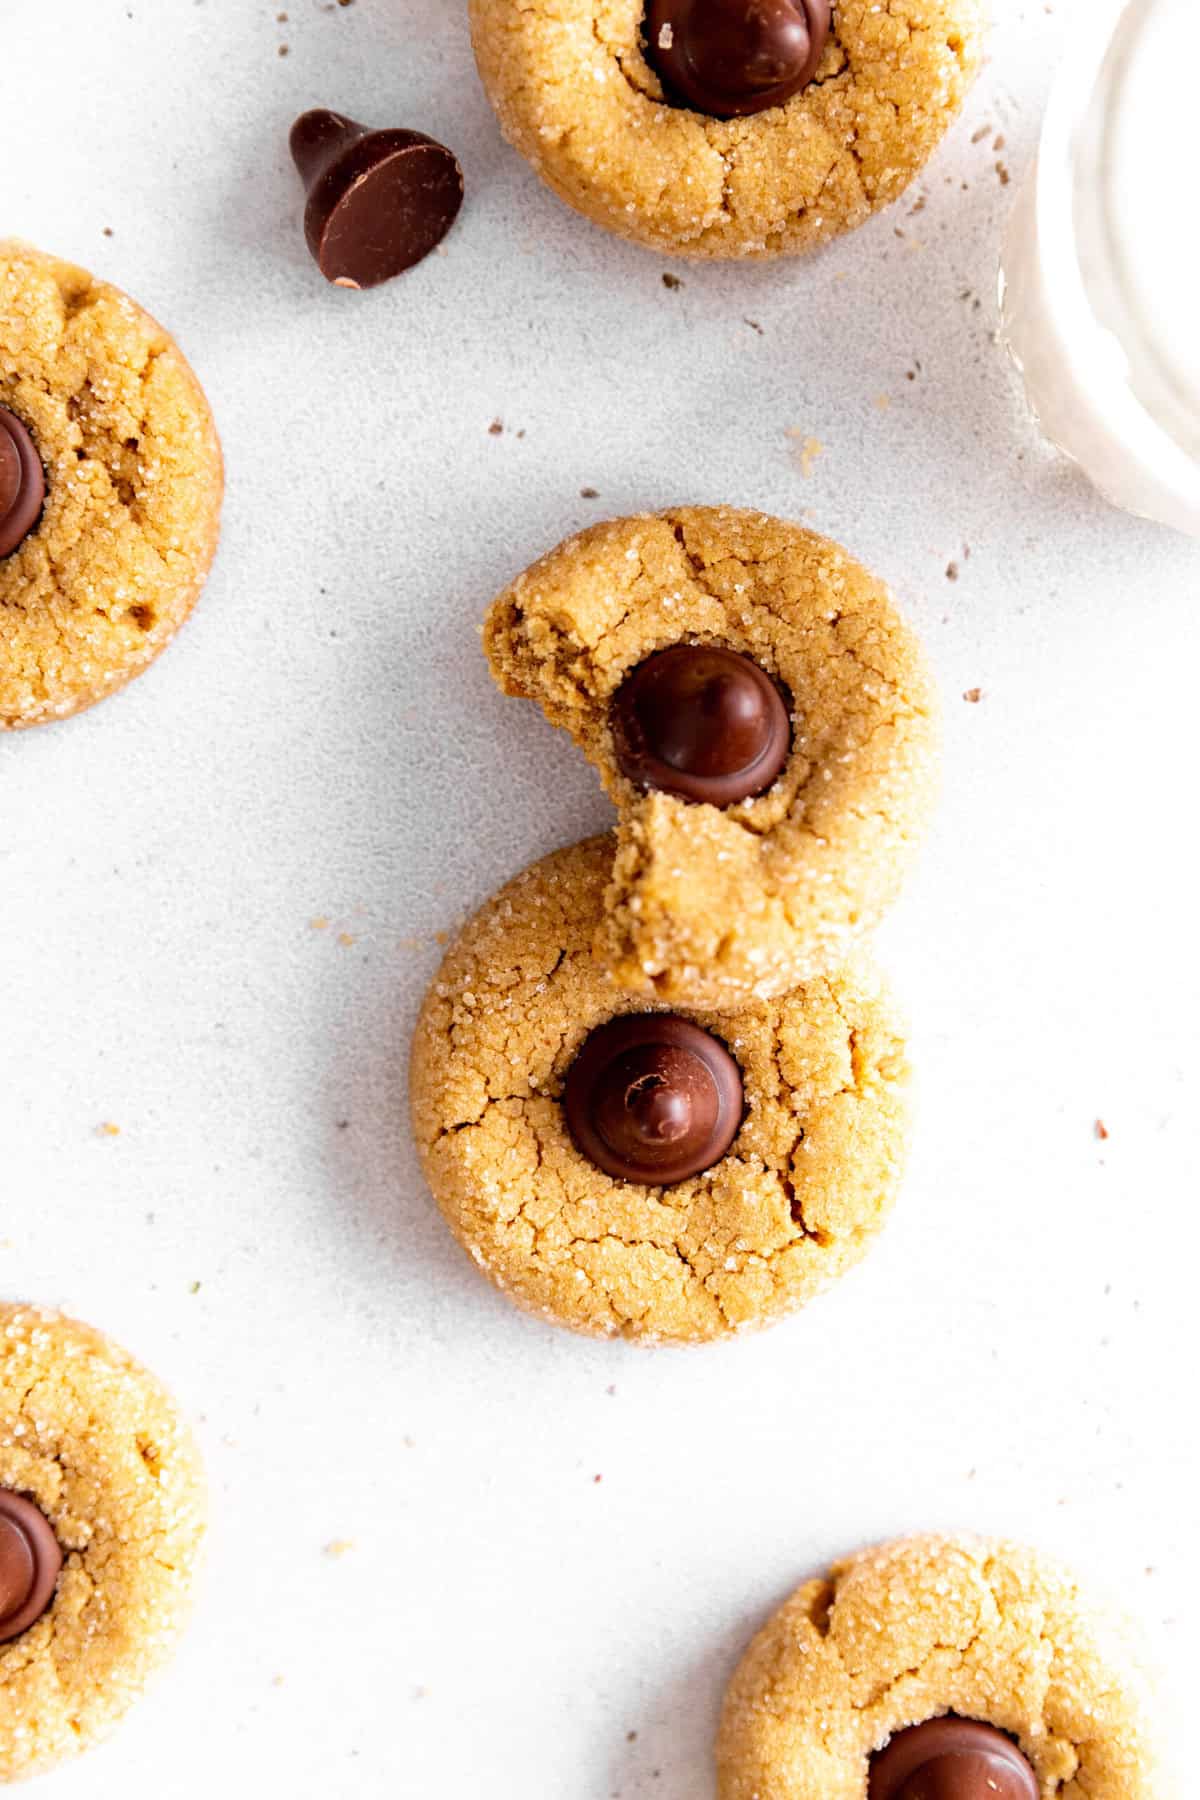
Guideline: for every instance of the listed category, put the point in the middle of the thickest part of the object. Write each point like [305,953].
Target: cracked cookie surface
[911,1630]
[575,94]
[133,488]
[96,1443]
[717,907]
[796,1201]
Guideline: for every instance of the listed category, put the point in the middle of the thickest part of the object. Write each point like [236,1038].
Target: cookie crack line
[614,56]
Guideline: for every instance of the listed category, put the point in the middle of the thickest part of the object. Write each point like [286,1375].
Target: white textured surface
[1018,1354]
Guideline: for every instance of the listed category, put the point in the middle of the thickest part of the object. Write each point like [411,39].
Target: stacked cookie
[658,1088]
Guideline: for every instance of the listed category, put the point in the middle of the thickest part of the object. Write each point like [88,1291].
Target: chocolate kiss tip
[317,137]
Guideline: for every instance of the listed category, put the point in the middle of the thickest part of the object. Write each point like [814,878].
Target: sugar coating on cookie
[134,483]
[929,1626]
[94,1441]
[712,906]
[796,1201]
[576,95]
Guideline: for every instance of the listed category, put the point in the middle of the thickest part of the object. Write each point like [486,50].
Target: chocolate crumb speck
[754,325]
[496,428]
[973,696]
[631,1737]
[108,231]
[589,493]
[283,50]
[952,571]
[671,281]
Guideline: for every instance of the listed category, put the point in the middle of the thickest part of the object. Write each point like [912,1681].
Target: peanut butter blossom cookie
[110,488]
[101,1522]
[763,719]
[939,1669]
[727,127]
[654,1174]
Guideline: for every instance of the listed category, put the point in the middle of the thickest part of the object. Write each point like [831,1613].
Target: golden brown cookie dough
[94,1441]
[575,94]
[928,1626]
[133,488]
[710,907]
[797,1200]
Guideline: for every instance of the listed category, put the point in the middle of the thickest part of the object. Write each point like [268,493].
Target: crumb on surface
[973,696]
[805,450]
